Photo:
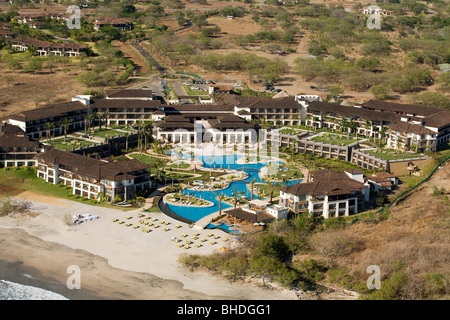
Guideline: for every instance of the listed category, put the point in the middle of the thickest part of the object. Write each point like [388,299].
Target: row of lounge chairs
[80,218]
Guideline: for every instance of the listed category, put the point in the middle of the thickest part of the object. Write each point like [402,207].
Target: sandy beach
[116,261]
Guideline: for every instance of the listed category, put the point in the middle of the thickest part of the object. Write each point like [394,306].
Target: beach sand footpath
[116,261]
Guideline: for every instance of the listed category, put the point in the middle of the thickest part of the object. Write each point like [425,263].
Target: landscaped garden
[192,92]
[69,143]
[106,133]
[335,139]
[393,155]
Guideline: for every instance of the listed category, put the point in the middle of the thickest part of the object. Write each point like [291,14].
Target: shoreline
[116,262]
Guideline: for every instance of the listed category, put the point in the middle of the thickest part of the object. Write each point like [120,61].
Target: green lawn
[290,131]
[334,139]
[191,92]
[106,133]
[182,165]
[392,155]
[71,143]
[288,171]
[147,159]
[26,179]
[317,162]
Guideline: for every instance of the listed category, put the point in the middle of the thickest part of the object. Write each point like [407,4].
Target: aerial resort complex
[225,150]
[129,143]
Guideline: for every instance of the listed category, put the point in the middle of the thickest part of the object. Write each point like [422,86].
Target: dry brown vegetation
[410,244]
[415,239]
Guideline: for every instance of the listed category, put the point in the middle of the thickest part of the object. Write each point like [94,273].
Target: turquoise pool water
[224,227]
[225,162]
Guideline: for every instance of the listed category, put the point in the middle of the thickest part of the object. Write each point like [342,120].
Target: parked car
[312,87]
[186,83]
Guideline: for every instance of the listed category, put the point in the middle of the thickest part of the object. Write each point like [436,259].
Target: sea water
[15,291]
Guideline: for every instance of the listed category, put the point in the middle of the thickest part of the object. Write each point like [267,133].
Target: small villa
[328,194]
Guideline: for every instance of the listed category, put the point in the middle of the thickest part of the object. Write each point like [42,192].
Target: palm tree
[294,143]
[368,125]
[220,196]
[383,131]
[286,181]
[91,118]
[48,129]
[148,128]
[324,119]
[252,186]
[106,117]
[297,175]
[85,125]
[191,153]
[140,124]
[126,141]
[236,193]
[271,185]
[65,123]
[101,116]
[354,126]
[344,124]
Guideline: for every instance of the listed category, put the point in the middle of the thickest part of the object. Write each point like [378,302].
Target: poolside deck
[203,222]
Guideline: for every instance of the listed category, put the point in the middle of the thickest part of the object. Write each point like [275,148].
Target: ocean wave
[15,291]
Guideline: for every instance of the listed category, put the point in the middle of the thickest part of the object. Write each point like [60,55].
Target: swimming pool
[223,226]
[218,162]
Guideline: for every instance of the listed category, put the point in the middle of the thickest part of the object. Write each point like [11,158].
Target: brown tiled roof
[6,128]
[46,44]
[325,174]
[325,182]
[277,103]
[438,120]
[6,33]
[91,167]
[383,174]
[5,25]
[176,118]
[409,128]
[129,93]
[187,108]
[381,178]
[229,121]
[175,121]
[353,171]
[125,103]
[400,108]
[12,136]
[248,216]
[49,111]
[353,111]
